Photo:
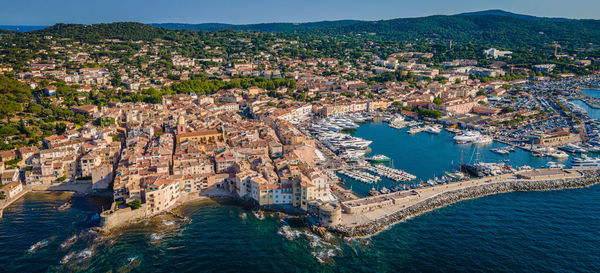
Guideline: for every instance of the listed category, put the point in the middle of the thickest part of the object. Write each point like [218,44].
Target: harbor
[429,156]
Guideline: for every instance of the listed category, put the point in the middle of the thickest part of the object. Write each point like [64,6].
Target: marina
[390,173]
[431,156]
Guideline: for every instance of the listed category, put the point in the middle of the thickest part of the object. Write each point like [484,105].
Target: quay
[391,173]
[6,203]
[370,215]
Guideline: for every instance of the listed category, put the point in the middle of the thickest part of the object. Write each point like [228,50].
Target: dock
[361,176]
[390,173]
[368,216]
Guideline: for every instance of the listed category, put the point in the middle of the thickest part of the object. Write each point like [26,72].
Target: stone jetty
[587,178]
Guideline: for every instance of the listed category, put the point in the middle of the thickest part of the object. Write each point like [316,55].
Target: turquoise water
[592,112]
[514,232]
[428,155]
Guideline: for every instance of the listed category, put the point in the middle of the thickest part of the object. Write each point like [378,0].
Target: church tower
[180,124]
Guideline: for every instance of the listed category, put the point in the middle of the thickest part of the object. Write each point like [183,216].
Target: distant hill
[489,28]
[495,30]
[95,32]
[21,28]
[500,12]
[264,27]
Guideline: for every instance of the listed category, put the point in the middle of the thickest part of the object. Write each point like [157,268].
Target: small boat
[37,246]
[378,159]
[434,129]
[373,192]
[559,154]
[65,205]
[384,190]
[500,151]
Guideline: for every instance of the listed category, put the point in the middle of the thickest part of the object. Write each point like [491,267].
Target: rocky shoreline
[589,178]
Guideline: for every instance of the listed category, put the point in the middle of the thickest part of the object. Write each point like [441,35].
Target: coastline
[588,178]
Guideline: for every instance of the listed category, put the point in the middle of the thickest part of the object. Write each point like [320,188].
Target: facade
[11,189]
[102,176]
[161,194]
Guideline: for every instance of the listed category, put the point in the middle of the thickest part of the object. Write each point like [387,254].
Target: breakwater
[588,178]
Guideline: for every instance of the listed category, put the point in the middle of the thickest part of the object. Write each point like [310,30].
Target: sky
[48,12]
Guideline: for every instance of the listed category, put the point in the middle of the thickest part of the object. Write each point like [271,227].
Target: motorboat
[467,136]
[584,162]
[435,129]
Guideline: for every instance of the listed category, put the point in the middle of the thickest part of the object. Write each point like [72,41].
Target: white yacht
[467,136]
[483,139]
[584,162]
[434,129]
[559,154]
[554,165]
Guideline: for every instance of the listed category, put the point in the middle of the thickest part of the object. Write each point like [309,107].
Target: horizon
[238,12]
[295,22]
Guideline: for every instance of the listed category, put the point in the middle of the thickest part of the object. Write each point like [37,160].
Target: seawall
[443,199]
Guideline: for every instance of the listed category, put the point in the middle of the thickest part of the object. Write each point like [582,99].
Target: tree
[438,101]
[507,109]
[135,204]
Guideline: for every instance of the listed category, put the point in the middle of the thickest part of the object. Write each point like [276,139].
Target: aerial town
[150,125]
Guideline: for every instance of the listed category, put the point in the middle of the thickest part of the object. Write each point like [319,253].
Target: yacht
[468,136]
[415,130]
[554,165]
[573,149]
[500,151]
[584,162]
[559,154]
[378,159]
[434,129]
[483,139]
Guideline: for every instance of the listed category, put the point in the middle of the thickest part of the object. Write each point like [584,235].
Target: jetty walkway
[368,216]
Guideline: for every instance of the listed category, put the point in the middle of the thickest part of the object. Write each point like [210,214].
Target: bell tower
[180,124]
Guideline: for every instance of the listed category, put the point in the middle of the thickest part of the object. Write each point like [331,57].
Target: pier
[361,176]
[391,173]
[368,216]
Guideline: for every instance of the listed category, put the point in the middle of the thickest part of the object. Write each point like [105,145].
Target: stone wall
[111,219]
[446,198]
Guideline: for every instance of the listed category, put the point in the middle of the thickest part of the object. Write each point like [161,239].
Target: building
[11,189]
[161,193]
[557,138]
[102,177]
[544,67]
[330,214]
[495,53]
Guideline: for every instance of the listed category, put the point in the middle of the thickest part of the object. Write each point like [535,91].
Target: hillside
[500,12]
[264,27]
[95,32]
[492,27]
[493,30]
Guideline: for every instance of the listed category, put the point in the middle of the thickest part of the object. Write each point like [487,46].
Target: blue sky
[47,12]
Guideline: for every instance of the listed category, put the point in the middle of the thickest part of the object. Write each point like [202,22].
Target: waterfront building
[102,176]
[161,192]
[330,214]
[11,189]
[557,138]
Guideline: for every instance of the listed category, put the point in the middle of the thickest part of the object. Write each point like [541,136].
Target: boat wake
[38,245]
